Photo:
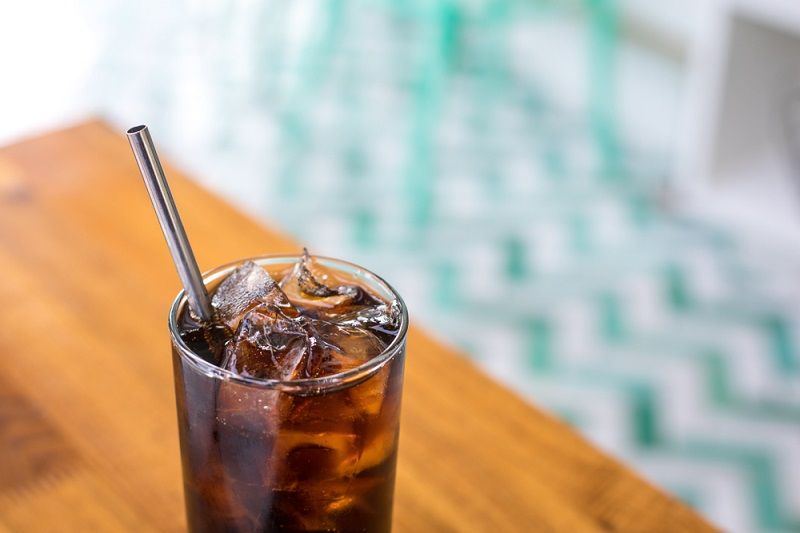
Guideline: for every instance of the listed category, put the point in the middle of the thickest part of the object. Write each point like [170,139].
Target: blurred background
[597,200]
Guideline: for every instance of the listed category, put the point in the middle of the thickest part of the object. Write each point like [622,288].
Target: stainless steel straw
[170,220]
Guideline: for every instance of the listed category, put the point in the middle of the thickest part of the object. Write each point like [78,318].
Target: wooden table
[88,437]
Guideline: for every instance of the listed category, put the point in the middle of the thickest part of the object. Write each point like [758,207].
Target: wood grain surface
[88,438]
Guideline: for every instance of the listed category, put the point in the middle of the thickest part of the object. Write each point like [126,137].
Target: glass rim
[306,386]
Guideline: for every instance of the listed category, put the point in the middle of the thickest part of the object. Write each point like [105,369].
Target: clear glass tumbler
[305,455]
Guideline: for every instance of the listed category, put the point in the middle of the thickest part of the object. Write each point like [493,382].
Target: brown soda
[260,458]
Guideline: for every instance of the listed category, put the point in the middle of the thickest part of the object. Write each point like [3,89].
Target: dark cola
[301,432]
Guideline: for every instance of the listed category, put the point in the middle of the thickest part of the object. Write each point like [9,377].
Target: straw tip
[136,129]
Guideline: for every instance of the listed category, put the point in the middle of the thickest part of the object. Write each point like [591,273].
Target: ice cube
[269,345]
[379,404]
[246,287]
[343,347]
[376,451]
[378,401]
[381,318]
[323,455]
[314,288]
[317,505]
[368,396]
[247,420]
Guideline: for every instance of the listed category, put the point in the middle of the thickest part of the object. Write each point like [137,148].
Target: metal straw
[170,220]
